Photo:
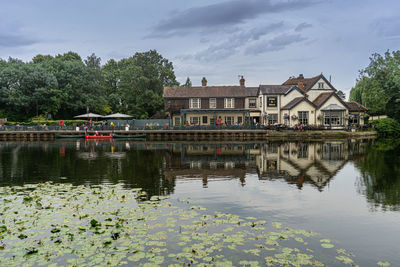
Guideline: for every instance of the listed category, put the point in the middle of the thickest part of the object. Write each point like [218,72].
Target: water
[347,190]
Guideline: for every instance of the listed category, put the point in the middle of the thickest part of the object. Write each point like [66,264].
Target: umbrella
[117,115]
[89,115]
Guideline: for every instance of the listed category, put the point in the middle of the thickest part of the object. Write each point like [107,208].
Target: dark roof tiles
[205,91]
[354,106]
[274,89]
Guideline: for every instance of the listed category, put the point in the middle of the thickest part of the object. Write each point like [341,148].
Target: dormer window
[321,85]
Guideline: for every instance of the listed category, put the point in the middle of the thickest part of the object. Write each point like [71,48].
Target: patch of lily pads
[61,224]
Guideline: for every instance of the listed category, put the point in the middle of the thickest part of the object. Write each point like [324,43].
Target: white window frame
[194,120]
[229,103]
[255,102]
[213,102]
[194,103]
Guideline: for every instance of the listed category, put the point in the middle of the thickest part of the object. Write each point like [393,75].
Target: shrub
[387,127]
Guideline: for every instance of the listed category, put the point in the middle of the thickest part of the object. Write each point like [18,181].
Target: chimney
[242,80]
[204,81]
[301,76]
[300,85]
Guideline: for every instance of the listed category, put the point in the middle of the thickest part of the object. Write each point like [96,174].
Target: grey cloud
[275,44]
[235,42]
[302,26]
[387,27]
[222,14]
[13,40]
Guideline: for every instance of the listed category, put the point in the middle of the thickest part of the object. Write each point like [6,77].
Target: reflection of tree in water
[380,175]
[83,163]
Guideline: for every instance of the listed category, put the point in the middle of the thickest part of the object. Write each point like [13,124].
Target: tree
[378,87]
[188,83]
[341,94]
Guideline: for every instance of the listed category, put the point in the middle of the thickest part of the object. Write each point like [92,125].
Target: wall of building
[303,106]
[331,100]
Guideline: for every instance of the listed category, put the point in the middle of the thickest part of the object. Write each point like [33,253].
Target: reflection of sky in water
[314,186]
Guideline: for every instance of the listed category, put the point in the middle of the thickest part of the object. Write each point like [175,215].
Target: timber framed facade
[307,101]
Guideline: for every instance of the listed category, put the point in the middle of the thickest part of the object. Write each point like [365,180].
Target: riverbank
[198,135]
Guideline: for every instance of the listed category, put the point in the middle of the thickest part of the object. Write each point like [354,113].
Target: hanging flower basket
[286,116]
[319,117]
[347,116]
[294,117]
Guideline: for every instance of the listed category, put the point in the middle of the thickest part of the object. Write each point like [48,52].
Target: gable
[322,84]
[333,101]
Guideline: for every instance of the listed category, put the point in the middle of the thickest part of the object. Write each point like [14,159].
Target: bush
[387,127]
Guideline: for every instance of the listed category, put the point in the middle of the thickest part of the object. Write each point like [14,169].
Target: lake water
[347,190]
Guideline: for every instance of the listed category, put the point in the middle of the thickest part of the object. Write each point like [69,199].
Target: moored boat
[98,137]
[134,136]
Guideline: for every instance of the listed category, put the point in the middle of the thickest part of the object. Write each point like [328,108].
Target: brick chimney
[204,81]
[242,80]
[301,76]
[300,85]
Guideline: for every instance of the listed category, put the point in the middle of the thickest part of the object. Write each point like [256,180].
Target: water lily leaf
[327,245]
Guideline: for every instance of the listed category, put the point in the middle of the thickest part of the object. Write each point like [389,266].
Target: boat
[134,136]
[70,136]
[98,137]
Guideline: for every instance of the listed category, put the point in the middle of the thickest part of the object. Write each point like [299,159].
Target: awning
[89,115]
[117,115]
[333,107]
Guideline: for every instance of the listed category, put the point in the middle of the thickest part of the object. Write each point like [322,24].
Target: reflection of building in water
[299,163]
[211,161]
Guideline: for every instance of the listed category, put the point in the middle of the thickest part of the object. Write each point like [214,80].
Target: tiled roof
[354,106]
[307,82]
[274,89]
[295,102]
[205,91]
[252,91]
[322,98]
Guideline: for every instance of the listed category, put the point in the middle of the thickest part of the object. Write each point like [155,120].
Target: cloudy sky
[265,40]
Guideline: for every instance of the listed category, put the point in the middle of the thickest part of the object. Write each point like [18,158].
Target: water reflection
[157,166]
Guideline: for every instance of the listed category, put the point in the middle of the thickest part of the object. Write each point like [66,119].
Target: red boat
[98,137]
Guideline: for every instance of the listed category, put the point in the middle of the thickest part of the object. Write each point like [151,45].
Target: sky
[266,41]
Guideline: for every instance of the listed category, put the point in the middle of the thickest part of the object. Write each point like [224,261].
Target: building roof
[308,83]
[297,101]
[252,91]
[322,98]
[333,107]
[274,89]
[204,91]
[354,106]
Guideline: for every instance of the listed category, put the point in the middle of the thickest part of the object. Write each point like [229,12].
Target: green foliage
[341,94]
[387,127]
[378,86]
[188,83]
[64,86]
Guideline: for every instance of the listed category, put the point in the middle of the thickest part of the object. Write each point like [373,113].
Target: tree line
[64,86]
[378,85]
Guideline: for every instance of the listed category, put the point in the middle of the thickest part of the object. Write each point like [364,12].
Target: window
[252,103]
[272,118]
[213,103]
[229,120]
[302,151]
[272,101]
[229,102]
[194,103]
[212,121]
[240,120]
[303,117]
[177,121]
[354,119]
[194,120]
[205,119]
[260,100]
[333,118]
[320,85]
